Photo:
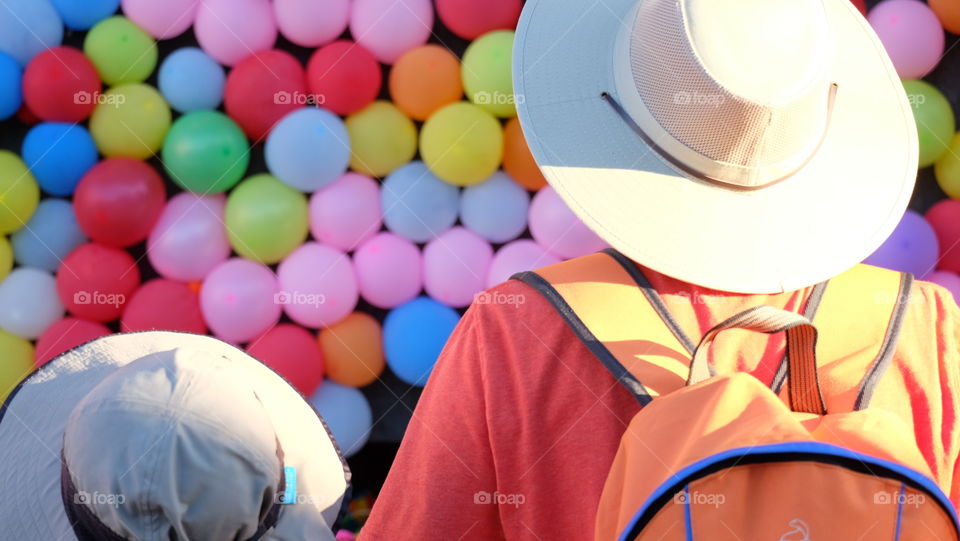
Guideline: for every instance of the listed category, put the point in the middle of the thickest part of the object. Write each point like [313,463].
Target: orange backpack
[716,457]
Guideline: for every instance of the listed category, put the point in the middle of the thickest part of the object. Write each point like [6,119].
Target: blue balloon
[308,149]
[27,28]
[11,77]
[83,14]
[413,336]
[418,205]
[347,414]
[59,154]
[191,81]
[50,234]
[495,209]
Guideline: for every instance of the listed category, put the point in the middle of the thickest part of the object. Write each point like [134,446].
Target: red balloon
[294,353]
[95,281]
[65,334]
[944,217]
[344,76]
[166,305]
[860,5]
[470,19]
[263,88]
[118,201]
[61,85]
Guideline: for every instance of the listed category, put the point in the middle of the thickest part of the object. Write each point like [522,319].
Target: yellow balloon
[17,354]
[130,120]
[19,193]
[382,139]
[6,257]
[462,144]
[947,169]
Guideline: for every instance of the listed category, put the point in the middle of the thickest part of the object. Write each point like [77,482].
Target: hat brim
[33,420]
[820,221]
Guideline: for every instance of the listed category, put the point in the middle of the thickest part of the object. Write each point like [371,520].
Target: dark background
[391,400]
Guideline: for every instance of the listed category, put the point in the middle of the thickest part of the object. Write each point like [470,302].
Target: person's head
[753,146]
[162,436]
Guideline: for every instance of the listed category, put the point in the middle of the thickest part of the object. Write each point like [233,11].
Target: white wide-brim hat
[755,146]
[187,423]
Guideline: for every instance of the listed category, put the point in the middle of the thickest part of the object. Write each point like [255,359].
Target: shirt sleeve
[443,474]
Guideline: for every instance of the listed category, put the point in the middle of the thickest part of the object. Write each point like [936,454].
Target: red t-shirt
[519,422]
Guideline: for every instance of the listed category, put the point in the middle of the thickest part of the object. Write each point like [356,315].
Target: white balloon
[29,302]
[347,413]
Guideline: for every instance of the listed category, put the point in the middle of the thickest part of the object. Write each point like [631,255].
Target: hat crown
[175,441]
[735,92]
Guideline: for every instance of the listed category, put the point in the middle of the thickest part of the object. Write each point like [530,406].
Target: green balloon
[206,152]
[486,73]
[121,51]
[266,219]
[17,355]
[19,193]
[934,116]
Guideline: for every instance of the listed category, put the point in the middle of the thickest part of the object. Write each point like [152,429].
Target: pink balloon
[346,212]
[911,34]
[555,227]
[240,300]
[389,28]
[162,20]
[389,270]
[231,30]
[317,285]
[189,239]
[518,256]
[947,279]
[312,23]
[455,266]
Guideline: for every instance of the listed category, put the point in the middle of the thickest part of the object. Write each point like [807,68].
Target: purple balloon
[518,256]
[189,239]
[555,227]
[910,33]
[455,266]
[912,247]
[239,300]
[346,212]
[389,270]
[318,286]
[947,279]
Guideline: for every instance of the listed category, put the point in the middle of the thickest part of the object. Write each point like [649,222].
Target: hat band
[88,527]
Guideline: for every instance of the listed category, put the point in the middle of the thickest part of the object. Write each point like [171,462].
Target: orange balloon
[517,160]
[353,350]
[425,79]
[948,11]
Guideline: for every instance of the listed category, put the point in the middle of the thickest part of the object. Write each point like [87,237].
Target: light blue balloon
[308,149]
[50,234]
[59,154]
[11,79]
[417,205]
[28,27]
[347,414]
[495,209]
[83,14]
[413,336]
[191,81]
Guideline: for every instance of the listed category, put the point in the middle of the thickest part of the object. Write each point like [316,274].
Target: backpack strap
[859,315]
[653,366]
